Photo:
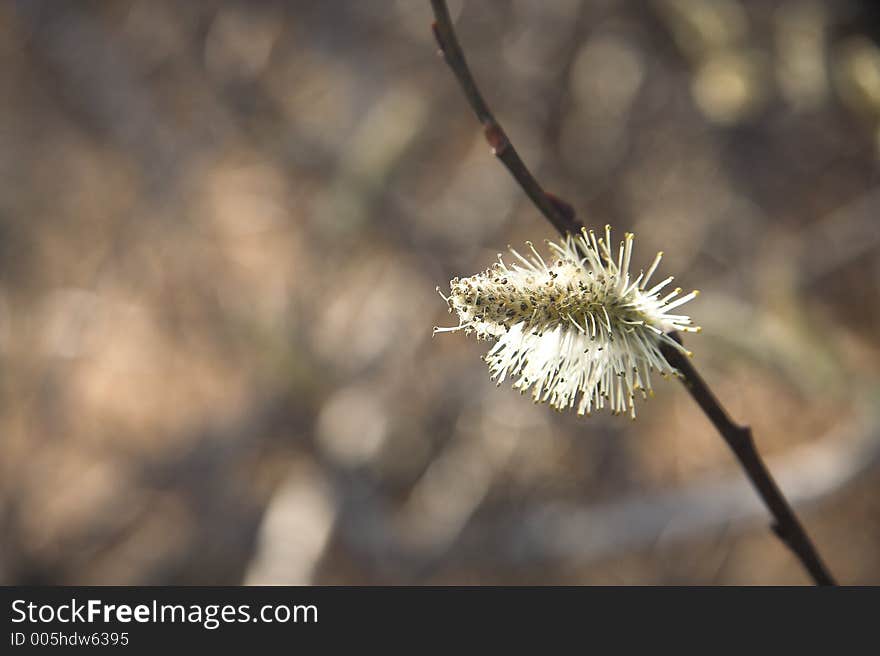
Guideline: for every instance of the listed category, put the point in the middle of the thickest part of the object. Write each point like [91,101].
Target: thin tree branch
[562,216]
[739,438]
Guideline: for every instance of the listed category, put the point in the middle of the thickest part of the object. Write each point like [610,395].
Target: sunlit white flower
[575,325]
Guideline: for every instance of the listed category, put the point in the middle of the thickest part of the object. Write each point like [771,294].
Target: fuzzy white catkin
[575,325]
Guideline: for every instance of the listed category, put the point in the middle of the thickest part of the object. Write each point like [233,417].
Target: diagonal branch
[562,216]
[739,438]
[558,212]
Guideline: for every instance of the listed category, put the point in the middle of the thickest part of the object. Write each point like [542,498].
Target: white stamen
[544,319]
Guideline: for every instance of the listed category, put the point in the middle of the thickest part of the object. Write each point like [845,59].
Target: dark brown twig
[739,438]
[558,212]
[562,216]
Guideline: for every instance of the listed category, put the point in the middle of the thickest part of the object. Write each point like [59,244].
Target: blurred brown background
[221,226]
